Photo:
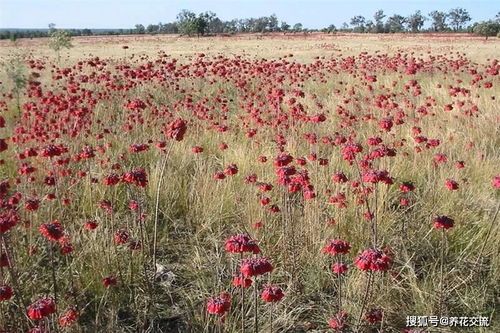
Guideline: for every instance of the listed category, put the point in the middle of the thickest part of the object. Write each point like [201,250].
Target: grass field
[363,168]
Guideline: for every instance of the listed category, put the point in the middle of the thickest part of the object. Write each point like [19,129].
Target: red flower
[42,308]
[91,225]
[241,243]
[219,305]
[4,260]
[451,184]
[69,318]
[197,149]
[241,281]
[443,222]
[52,231]
[137,177]
[272,293]
[339,322]
[219,175]
[8,220]
[111,179]
[176,129]
[5,292]
[109,281]
[121,237]
[339,177]
[406,187]
[3,145]
[373,260]
[339,268]
[496,181]
[374,315]
[231,170]
[255,266]
[337,246]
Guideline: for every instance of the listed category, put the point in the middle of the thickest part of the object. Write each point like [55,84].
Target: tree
[487,29]
[359,23]
[439,20]
[379,24]
[284,26]
[60,39]
[458,17]
[331,29]
[297,27]
[139,29]
[152,29]
[370,27]
[186,22]
[273,23]
[395,23]
[415,21]
[15,70]
[52,28]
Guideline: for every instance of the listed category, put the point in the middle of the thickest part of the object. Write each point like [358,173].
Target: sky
[126,13]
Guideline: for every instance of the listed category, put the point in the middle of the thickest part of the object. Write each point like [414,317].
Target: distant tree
[231,26]
[439,20]
[395,23]
[273,23]
[186,22]
[379,24]
[297,27]
[152,28]
[60,39]
[87,32]
[284,26]
[200,25]
[52,28]
[15,69]
[331,29]
[369,26]
[170,28]
[345,26]
[415,21]
[458,17]
[487,29]
[139,29]
[358,22]
[261,24]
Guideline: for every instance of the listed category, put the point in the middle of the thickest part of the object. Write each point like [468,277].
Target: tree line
[207,23]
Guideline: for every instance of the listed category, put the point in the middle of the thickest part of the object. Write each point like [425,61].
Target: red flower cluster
[256,266]
[373,260]
[241,281]
[42,308]
[52,231]
[374,315]
[241,243]
[272,293]
[219,305]
[109,281]
[339,268]
[337,246]
[8,220]
[443,222]
[137,177]
[176,129]
[339,322]
[5,292]
[69,318]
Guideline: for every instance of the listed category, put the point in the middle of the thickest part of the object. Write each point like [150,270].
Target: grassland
[430,100]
